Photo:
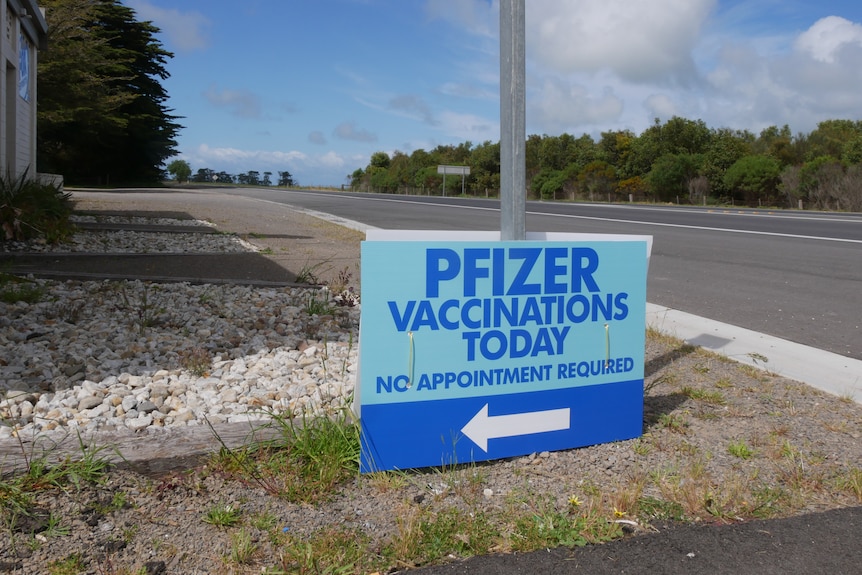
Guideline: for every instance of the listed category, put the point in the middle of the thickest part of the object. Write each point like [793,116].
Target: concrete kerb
[830,372]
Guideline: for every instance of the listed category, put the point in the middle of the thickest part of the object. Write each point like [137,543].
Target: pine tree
[103,117]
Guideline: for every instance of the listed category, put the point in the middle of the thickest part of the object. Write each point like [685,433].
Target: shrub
[30,209]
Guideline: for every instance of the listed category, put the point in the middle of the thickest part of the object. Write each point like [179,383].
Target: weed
[242,547]
[331,550]
[544,526]
[71,565]
[641,446]
[196,360]
[424,537]
[704,395]
[740,449]
[304,463]
[222,515]
[317,306]
[14,289]
[264,521]
[310,273]
[660,510]
[852,481]
[675,422]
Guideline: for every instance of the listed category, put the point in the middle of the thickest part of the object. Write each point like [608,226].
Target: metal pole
[513,130]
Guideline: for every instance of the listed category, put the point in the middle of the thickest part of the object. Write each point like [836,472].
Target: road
[794,275]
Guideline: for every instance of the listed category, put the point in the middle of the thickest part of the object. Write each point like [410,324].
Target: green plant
[330,551]
[675,422]
[14,289]
[304,462]
[222,515]
[851,481]
[705,395]
[740,449]
[71,565]
[309,274]
[242,547]
[317,306]
[31,209]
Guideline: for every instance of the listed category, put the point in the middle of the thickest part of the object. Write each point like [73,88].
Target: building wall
[22,33]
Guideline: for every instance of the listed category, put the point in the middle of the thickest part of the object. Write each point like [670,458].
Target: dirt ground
[723,446]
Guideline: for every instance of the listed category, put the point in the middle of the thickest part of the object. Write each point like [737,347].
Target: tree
[203,175]
[267,179]
[285,179]
[671,175]
[180,170]
[757,177]
[102,116]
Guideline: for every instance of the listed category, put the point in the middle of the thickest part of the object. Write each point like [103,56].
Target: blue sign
[477,350]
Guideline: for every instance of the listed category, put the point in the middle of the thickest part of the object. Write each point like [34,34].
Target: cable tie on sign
[607,345]
[410,361]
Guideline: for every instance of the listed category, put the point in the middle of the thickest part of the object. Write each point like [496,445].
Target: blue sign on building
[477,350]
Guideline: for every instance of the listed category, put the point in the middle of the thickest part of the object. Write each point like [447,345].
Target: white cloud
[241,103]
[826,38]
[326,168]
[349,131]
[641,42]
[186,31]
[661,106]
[560,105]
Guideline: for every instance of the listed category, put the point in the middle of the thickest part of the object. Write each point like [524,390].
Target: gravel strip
[100,356]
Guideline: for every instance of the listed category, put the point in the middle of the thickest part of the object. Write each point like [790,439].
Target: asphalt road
[794,275]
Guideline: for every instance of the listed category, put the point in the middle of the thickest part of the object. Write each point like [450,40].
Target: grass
[447,512]
[14,289]
[307,460]
[222,515]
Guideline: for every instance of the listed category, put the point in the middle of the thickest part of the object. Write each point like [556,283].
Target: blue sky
[316,86]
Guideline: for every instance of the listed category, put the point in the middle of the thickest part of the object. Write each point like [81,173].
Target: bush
[30,209]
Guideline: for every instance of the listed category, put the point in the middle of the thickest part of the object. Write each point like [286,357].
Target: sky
[315,87]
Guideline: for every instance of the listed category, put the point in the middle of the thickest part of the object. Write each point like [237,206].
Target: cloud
[317,137]
[242,103]
[469,127]
[818,78]
[413,106]
[326,168]
[560,105]
[186,31]
[661,106]
[828,36]
[478,16]
[641,42]
[348,131]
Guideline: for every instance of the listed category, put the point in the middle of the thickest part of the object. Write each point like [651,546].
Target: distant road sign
[454,170]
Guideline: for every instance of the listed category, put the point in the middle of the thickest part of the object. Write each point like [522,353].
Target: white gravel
[107,355]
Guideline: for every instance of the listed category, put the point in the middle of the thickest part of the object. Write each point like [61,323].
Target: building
[24,33]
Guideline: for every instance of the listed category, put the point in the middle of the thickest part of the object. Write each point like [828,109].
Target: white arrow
[482,427]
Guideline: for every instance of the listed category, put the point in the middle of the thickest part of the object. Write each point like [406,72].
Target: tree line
[680,160]
[182,172]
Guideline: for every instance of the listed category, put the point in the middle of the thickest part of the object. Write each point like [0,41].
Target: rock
[146,406]
[89,403]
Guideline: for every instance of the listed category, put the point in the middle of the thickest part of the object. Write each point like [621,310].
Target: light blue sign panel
[484,350]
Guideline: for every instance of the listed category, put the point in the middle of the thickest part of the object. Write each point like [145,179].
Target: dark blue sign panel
[482,350]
